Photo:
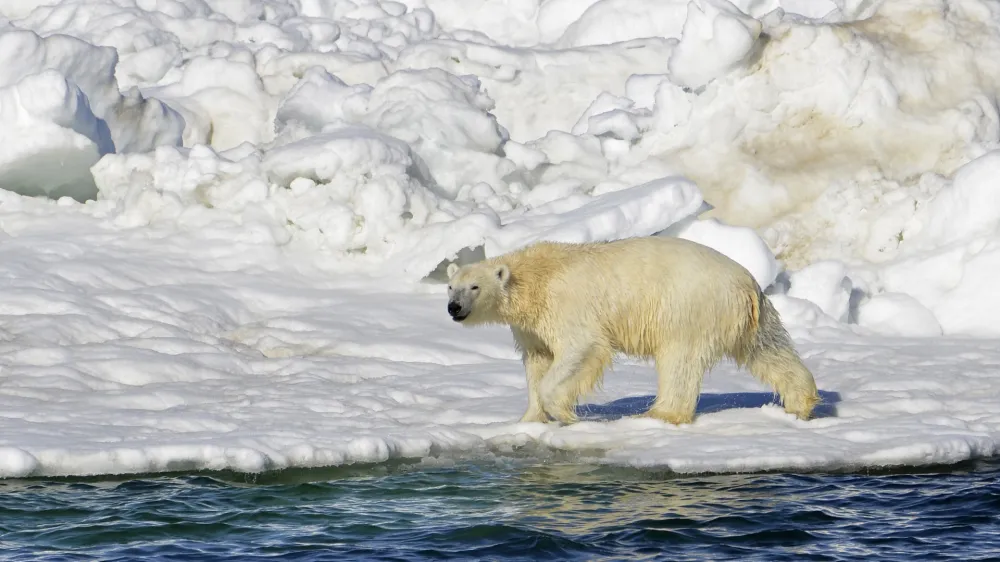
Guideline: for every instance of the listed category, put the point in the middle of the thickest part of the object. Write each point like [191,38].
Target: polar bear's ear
[452,269]
[503,274]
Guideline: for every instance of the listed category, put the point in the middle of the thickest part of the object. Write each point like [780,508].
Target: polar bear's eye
[449,287]
[475,287]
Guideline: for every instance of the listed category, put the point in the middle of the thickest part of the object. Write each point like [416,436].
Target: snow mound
[43,119]
[522,82]
[740,244]
[444,119]
[949,251]
[610,21]
[15,463]
[898,314]
[716,37]
[59,102]
[225,65]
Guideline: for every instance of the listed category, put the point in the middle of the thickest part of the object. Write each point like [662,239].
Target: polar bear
[571,307]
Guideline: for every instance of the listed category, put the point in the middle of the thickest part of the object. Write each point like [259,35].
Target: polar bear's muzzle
[456,312]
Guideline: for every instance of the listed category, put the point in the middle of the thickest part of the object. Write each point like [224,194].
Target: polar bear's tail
[771,333]
[772,359]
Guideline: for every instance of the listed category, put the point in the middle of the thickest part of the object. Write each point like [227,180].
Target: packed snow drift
[224,224]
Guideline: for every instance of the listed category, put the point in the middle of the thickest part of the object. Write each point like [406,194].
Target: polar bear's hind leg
[773,360]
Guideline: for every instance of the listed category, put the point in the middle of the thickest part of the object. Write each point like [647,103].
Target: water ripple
[476,511]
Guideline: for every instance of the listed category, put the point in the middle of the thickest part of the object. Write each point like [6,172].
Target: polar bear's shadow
[707,403]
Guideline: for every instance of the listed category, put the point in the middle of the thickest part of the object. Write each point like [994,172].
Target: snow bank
[816,132]
[940,276]
[811,131]
[809,121]
[350,195]
[292,135]
[273,99]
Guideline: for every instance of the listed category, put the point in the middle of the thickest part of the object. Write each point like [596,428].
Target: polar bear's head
[475,291]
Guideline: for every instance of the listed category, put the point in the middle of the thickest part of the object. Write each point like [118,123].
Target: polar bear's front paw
[563,414]
[675,418]
[534,416]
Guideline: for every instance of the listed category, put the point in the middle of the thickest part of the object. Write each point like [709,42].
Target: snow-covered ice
[223,223]
[145,350]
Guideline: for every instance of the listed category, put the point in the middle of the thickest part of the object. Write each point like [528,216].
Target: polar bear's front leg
[536,364]
[537,360]
[574,371]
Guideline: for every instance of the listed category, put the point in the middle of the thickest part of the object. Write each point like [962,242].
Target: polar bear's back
[634,290]
[654,259]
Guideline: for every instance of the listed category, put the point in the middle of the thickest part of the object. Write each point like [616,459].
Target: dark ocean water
[491,511]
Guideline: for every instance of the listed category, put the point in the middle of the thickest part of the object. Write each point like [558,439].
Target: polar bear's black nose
[454,308]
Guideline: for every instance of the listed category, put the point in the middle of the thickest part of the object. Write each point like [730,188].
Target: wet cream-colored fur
[684,305]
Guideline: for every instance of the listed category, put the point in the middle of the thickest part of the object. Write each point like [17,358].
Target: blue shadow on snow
[707,403]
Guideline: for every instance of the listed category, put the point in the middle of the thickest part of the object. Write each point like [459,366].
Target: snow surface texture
[267,183]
